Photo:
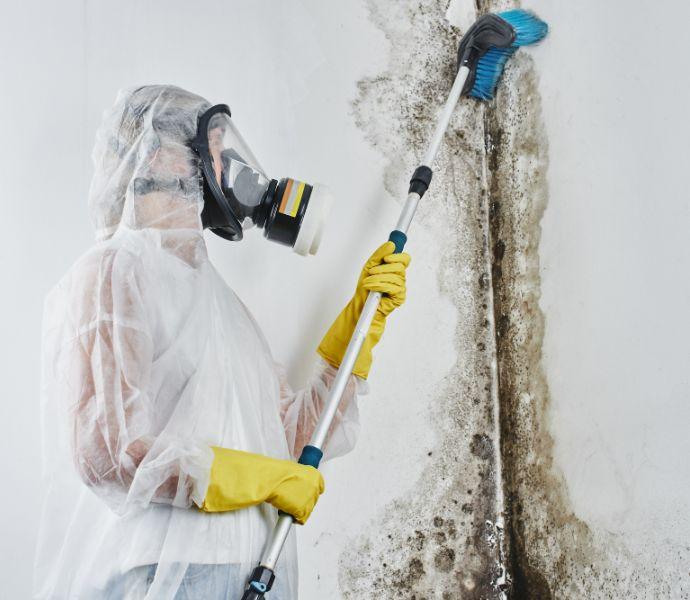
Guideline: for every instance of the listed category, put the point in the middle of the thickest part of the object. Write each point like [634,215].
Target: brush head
[490,42]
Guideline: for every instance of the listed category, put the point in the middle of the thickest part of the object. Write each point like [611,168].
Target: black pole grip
[421,178]
[419,184]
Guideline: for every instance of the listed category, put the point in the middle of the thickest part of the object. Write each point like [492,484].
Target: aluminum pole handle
[313,452]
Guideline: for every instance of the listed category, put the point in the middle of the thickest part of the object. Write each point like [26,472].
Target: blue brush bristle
[529,29]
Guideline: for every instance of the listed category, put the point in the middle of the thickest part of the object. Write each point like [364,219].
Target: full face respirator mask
[238,194]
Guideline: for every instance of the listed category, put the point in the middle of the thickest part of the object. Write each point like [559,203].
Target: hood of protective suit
[145,174]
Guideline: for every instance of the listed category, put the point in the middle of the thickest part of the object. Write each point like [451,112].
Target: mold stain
[490,517]
[516,163]
[445,539]
[551,552]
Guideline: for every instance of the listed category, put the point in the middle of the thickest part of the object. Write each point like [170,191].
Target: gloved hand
[240,479]
[384,272]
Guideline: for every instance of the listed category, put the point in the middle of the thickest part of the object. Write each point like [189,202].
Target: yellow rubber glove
[240,479]
[384,272]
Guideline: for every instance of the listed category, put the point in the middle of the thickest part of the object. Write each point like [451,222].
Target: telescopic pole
[263,575]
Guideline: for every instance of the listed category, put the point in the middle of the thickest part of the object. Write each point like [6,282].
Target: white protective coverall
[149,358]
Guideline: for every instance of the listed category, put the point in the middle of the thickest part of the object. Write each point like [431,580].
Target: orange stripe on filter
[297,200]
[286,197]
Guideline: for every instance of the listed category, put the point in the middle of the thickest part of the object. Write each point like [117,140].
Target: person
[169,431]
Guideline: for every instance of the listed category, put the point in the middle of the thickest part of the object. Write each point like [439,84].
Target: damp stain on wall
[442,540]
[551,553]
[490,516]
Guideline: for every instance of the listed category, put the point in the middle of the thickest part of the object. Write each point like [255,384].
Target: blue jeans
[200,582]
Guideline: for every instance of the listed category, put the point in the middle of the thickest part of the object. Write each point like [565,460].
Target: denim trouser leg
[200,582]
[220,582]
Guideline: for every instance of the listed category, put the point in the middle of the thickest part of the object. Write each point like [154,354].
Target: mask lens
[246,185]
[237,171]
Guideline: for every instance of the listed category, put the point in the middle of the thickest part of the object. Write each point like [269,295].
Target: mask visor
[237,172]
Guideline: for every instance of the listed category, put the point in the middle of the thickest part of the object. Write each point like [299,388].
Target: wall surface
[524,432]
[615,297]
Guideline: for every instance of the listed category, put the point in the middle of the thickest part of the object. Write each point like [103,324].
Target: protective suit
[149,360]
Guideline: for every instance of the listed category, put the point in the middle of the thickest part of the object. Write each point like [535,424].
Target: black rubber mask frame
[217,215]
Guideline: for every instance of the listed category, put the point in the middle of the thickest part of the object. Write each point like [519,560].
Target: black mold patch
[444,559]
[482,446]
[551,552]
[444,539]
[440,540]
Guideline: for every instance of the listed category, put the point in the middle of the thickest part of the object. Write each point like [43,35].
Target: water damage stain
[490,497]
[441,541]
[551,552]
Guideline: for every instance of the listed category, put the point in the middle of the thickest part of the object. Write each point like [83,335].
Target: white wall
[43,169]
[615,263]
